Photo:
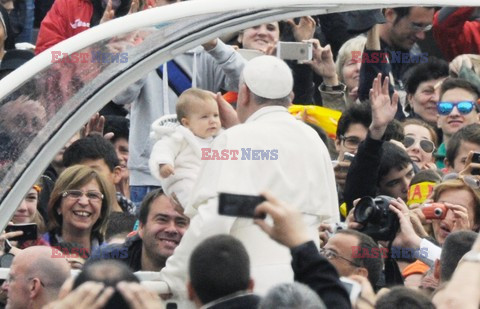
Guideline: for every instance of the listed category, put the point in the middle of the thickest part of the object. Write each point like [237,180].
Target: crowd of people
[385,214]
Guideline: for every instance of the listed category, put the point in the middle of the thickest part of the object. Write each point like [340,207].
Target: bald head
[35,277]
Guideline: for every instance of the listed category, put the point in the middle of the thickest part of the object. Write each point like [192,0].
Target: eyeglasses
[472,181]
[463,107]
[330,254]
[93,196]
[351,142]
[426,145]
[420,28]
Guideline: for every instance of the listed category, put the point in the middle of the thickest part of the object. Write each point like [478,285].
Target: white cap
[268,77]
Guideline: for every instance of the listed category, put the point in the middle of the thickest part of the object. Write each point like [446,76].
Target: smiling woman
[79,207]
[420,142]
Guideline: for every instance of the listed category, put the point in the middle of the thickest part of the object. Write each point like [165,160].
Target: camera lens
[438,212]
[364,210]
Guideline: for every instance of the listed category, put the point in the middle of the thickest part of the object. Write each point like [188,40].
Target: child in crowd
[176,156]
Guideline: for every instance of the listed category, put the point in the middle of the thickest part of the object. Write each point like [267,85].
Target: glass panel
[30,115]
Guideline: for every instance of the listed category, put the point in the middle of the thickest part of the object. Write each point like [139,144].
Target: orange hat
[418,267]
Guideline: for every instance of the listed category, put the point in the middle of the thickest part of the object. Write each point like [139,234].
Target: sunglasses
[426,145]
[464,107]
[472,181]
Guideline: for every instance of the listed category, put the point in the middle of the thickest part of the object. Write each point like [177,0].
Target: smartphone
[347,156]
[239,205]
[353,288]
[29,231]
[435,211]
[476,159]
[300,51]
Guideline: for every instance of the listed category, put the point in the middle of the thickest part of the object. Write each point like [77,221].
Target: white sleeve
[164,151]
[206,223]
[432,251]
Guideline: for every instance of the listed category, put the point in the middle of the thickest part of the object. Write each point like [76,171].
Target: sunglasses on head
[426,145]
[472,181]
[464,107]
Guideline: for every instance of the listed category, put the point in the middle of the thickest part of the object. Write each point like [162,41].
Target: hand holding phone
[239,205]
[347,156]
[29,231]
[300,51]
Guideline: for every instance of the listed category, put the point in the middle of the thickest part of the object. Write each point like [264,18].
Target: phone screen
[29,231]
[238,205]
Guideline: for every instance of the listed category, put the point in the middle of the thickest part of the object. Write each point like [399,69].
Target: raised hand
[228,115]
[383,108]
[322,63]
[305,28]
[109,13]
[134,7]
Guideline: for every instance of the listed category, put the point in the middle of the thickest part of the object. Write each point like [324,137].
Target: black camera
[378,221]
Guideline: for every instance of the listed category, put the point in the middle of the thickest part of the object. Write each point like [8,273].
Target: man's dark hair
[147,202]
[119,225]
[434,68]
[373,265]
[405,11]
[219,266]
[455,246]
[392,157]
[360,113]
[426,176]
[401,297]
[469,133]
[108,272]
[454,83]
[394,131]
[92,147]
[118,125]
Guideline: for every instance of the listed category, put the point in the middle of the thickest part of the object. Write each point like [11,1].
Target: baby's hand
[166,170]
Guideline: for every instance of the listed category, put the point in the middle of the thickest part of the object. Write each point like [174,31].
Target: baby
[176,156]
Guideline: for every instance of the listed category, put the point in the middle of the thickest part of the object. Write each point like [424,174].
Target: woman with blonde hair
[461,197]
[79,207]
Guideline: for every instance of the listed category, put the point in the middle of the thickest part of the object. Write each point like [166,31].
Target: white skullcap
[268,77]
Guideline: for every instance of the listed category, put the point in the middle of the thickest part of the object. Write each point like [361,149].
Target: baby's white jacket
[181,149]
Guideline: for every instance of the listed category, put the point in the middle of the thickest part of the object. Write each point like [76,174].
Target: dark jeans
[137,193]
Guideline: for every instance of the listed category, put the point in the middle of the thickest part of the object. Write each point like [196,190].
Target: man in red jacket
[67,18]
[457,31]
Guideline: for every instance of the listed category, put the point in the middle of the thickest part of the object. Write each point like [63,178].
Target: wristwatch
[471,256]
[339,87]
